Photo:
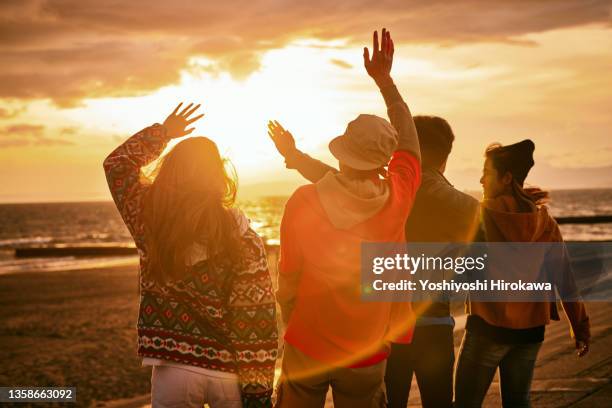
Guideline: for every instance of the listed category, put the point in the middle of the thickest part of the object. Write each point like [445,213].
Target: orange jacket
[319,274]
[504,223]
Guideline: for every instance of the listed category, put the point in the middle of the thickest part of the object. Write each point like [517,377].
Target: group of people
[207,321]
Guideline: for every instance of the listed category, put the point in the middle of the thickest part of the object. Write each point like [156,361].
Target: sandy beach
[75,328]
[78,328]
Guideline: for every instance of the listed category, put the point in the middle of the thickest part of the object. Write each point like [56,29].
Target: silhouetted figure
[440,213]
[332,337]
[207,320]
[509,335]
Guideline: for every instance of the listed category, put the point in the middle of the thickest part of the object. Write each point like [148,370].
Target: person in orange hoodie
[332,337]
[508,335]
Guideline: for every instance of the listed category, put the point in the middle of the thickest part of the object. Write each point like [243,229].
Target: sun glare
[299,85]
[314,88]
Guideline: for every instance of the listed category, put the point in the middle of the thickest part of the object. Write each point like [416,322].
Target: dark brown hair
[435,138]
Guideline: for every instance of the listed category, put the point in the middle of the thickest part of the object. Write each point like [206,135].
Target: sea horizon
[251,196]
[97,223]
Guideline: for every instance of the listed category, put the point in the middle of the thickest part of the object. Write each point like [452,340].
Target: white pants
[176,387]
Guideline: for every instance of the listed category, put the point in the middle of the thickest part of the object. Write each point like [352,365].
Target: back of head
[186,203]
[435,139]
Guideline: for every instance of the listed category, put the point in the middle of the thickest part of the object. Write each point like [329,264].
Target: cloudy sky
[80,77]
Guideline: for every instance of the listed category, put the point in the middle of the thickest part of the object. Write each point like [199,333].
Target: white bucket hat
[367,143]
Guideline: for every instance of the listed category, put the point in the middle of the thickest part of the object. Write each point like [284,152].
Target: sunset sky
[79,77]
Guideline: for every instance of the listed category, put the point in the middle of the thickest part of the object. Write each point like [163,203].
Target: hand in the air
[176,123]
[379,66]
[283,139]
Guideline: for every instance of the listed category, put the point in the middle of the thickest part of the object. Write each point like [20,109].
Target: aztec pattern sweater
[218,318]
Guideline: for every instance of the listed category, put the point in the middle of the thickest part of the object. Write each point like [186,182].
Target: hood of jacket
[504,222]
[348,202]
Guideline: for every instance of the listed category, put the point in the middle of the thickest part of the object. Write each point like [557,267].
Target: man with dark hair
[440,213]
[439,140]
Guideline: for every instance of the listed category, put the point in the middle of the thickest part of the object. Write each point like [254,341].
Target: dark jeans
[430,357]
[478,360]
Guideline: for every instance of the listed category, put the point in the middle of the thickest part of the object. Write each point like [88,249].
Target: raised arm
[379,68]
[311,169]
[122,166]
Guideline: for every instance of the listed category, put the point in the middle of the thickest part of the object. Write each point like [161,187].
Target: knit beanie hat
[516,158]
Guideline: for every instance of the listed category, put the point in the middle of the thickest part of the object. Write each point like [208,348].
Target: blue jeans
[478,360]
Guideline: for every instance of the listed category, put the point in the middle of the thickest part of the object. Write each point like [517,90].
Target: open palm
[379,65]
[283,139]
[176,123]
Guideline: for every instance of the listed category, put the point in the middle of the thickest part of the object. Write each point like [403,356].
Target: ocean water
[48,224]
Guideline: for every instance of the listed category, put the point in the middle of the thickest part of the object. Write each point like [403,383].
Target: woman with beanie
[508,335]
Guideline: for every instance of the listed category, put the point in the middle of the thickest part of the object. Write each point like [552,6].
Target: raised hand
[176,123]
[379,66]
[283,139]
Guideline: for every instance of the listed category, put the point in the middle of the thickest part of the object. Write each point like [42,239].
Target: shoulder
[404,170]
[435,186]
[303,191]
[242,221]
[551,225]
[253,253]
[252,238]
[404,158]
[300,196]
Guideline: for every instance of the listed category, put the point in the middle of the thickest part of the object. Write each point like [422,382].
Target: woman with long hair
[506,334]
[207,317]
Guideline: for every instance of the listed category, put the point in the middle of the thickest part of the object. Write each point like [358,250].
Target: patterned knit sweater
[218,317]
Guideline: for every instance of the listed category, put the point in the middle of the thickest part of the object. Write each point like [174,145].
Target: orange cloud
[29,135]
[69,50]
[10,113]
